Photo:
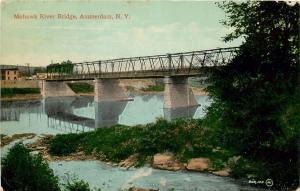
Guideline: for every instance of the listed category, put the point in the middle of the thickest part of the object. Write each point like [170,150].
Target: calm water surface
[77,114]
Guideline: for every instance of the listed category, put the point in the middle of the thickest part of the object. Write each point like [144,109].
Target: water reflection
[11,110]
[107,113]
[181,112]
[60,112]
[77,114]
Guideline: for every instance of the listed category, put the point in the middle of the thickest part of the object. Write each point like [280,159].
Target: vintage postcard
[149,95]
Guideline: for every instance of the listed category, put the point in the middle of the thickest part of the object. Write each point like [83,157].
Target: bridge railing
[178,62]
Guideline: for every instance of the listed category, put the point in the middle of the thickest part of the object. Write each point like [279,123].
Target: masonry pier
[109,90]
[55,89]
[178,93]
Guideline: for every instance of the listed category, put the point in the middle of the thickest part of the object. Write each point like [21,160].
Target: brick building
[10,74]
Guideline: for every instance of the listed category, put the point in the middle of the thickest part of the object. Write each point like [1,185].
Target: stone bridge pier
[109,90]
[55,89]
[177,93]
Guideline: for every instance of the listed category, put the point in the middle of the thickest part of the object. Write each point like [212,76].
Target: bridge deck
[129,75]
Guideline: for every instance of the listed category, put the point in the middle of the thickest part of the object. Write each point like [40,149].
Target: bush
[77,185]
[81,87]
[64,144]
[14,91]
[23,171]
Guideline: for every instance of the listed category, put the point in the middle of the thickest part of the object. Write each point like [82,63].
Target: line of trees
[64,67]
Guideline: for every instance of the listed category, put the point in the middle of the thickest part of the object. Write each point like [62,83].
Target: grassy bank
[185,138]
[81,87]
[8,92]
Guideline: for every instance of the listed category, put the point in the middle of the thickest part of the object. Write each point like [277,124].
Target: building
[10,74]
[41,76]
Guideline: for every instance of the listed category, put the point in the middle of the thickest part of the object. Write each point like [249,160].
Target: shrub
[74,184]
[81,87]
[14,91]
[78,185]
[23,171]
[64,144]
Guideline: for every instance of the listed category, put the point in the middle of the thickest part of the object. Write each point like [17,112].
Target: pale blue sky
[153,28]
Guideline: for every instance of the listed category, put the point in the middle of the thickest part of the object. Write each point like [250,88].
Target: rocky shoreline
[5,139]
[163,161]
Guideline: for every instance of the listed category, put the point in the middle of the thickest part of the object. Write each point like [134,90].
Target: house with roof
[10,74]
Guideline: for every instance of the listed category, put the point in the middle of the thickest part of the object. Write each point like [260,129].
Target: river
[80,114]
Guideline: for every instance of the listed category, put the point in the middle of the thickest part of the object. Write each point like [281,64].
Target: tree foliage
[64,67]
[23,171]
[254,106]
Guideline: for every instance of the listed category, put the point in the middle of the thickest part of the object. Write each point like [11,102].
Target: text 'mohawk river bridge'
[174,68]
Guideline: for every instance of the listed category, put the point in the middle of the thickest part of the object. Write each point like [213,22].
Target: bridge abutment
[178,93]
[55,89]
[109,90]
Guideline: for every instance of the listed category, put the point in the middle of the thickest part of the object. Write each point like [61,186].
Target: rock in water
[198,164]
[166,161]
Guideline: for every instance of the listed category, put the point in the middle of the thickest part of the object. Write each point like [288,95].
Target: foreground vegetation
[186,139]
[8,92]
[81,87]
[22,171]
[143,140]
[256,97]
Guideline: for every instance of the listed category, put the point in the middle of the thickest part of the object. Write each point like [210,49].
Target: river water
[78,114]
[81,114]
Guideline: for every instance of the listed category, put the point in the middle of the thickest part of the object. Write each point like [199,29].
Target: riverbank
[180,145]
[21,97]
[162,161]
[196,91]
[174,146]
[5,139]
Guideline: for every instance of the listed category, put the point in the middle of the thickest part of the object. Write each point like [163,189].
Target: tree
[64,67]
[256,93]
[23,171]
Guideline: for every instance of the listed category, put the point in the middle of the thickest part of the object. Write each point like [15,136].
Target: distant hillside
[24,69]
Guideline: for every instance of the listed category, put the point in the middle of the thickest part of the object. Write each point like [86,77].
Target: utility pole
[28,64]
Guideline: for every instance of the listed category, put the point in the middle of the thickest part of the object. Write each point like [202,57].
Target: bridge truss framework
[157,66]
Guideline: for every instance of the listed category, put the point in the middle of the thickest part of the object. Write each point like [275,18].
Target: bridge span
[174,68]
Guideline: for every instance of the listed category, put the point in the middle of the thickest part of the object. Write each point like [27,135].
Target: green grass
[81,87]
[185,138]
[8,92]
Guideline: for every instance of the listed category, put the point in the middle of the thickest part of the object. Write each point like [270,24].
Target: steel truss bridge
[157,66]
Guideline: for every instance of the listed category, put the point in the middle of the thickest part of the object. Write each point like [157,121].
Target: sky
[150,28]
